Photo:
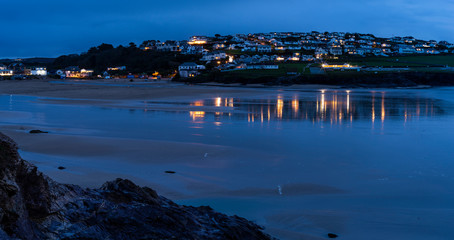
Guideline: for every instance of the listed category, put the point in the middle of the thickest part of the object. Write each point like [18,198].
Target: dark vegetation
[37,62]
[136,60]
[347,79]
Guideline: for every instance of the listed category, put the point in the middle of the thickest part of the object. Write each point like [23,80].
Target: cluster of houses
[334,44]
[111,72]
[259,51]
[74,72]
[19,69]
[268,49]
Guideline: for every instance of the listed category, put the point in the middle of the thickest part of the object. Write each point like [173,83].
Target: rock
[61,168]
[33,206]
[332,235]
[37,131]
[170,172]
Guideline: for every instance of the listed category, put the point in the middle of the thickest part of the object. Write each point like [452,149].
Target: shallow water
[361,163]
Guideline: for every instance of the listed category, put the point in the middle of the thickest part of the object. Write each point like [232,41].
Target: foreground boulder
[33,206]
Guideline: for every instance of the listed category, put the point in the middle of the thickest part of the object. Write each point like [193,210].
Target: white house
[262,66]
[264,48]
[38,71]
[6,72]
[294,47]
[335,51]
[280,48]
[76,72]
[361,51]
[249,49]
[168,46]
[407,50]
[307,58]
[190,69]
[119,68]
[213,56]
[320,52]
[433,51]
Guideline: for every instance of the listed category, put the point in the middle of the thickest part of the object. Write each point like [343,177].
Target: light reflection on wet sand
[275,156]
[335,107]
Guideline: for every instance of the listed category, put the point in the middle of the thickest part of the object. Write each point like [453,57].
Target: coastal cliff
[33,206]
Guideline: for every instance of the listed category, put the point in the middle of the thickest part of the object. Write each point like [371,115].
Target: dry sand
[137,90]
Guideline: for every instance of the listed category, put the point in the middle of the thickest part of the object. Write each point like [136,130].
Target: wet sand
[205,171]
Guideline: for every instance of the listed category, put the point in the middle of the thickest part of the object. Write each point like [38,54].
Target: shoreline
[92,90]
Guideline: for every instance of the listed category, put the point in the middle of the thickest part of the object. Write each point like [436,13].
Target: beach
[301,161]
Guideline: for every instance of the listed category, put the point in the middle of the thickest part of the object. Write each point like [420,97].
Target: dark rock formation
[33,206]
[332,235]
[36,131]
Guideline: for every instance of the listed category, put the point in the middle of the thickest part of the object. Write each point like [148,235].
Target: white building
[320,52]
[335,51]
[407,50]
[6,72]
[249,49]
[263,66]
[38,71]
[213,56]
[119,68]
[190,69]
[294,47]
[264,48]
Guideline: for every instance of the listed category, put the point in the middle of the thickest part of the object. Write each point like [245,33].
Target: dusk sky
[50,28]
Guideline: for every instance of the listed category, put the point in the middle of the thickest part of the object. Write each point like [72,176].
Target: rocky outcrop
[33,206]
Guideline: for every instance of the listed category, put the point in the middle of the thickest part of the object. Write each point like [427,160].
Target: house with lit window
[198,40]
[345,66]
[36,71]
[320,52]
[6,72]
[405,49]
[214,56]
[190,69]
[192,50]
[119,68]
[219,46]
[168,46]
[76,72]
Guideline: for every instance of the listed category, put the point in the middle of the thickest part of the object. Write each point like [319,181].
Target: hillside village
[316,51]
[267,50]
